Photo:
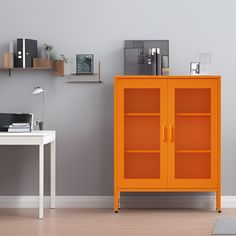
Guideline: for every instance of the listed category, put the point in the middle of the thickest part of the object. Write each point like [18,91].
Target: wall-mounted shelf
[83,78]
[58,70]
[78,81]
[24,69]
[59,67]
[56,66]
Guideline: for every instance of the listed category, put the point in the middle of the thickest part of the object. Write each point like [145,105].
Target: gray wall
[82,114]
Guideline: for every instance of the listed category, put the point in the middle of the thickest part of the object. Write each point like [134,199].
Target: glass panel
[193,166]
[192,133]
[142,165]
[193,101]
[142,100]
[142,134]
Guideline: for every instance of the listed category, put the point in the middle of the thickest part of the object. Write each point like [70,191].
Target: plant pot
[41,62]
[59,67]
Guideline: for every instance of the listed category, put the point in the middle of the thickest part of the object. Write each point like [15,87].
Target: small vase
[43,53]
[66,68]
[48,55]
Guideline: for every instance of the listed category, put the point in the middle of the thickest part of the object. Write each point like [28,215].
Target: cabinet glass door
[142,128]
[192,143]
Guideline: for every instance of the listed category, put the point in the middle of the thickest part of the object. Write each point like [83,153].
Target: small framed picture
[194,68]
[84,64]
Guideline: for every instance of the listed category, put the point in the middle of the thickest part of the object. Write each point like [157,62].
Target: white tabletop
[35,133]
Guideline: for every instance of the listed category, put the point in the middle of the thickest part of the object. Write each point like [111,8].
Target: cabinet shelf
[142,114]
[142,151]
[192,114]
[193,151]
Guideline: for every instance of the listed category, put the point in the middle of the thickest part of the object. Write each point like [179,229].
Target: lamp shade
[38,90]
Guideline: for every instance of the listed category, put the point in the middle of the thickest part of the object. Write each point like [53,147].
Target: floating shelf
[57,72]
[24,69]
[76,78]
[142,114]
[77,81]
[28,68]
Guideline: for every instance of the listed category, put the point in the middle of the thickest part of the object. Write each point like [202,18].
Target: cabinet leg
[116,201]
[218,201]
[119,202]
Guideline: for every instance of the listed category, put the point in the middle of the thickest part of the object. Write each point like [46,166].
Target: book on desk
[16,122]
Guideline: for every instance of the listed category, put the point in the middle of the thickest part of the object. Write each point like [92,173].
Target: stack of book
[19,128]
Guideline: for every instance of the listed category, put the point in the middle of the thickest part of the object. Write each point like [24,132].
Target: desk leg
[53,173]
[41,179]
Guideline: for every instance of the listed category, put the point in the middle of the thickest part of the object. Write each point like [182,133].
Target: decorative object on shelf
[8,60]
[165,70]
[67,63]
[154,60]
[11,47]
[85,78]
[205,63]
[48,51]
[146,57]
[43,52]
[194,68]
[26,51]
[42,63]
[58,66]
[39,90]
[25,58]
[84,64]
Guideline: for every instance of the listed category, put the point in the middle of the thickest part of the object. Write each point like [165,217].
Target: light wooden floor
[102,222]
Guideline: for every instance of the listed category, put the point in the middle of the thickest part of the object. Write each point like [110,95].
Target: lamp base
[40,123]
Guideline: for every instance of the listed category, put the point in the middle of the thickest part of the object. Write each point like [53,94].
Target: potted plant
[48,51]
[46,56]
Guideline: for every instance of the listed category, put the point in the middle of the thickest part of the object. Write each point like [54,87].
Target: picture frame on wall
[84,64]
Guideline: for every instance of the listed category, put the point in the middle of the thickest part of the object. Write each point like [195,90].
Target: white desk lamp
[39,90]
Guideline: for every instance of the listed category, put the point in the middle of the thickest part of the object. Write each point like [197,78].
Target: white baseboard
[206,202]
[228,201]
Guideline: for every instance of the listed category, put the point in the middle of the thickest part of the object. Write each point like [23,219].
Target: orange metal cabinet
[167,135]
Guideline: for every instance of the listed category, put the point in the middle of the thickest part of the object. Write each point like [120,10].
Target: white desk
[39,138]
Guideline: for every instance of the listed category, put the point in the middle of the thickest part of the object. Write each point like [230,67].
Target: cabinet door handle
[171,133]
[163,133]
